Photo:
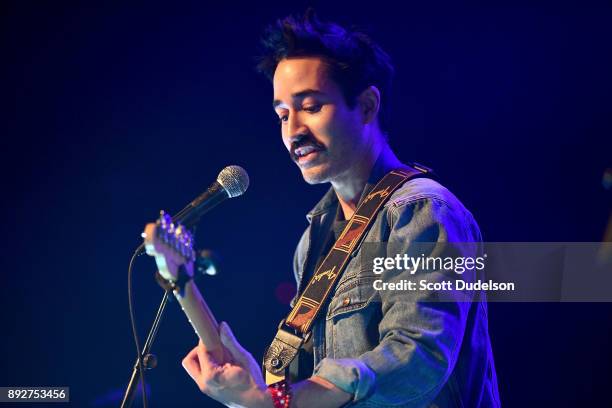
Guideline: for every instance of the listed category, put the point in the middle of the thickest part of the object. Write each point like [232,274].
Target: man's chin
[315,175]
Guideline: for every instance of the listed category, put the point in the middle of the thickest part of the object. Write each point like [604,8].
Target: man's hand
[237,382]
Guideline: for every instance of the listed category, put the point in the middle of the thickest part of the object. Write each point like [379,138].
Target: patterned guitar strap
[294,330]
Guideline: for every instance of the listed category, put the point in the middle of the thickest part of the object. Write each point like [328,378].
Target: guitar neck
[201,318]
[172,246]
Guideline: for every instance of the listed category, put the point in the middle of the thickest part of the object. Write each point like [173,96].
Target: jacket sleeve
[420,332]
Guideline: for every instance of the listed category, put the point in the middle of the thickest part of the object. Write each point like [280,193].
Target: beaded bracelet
[281,394]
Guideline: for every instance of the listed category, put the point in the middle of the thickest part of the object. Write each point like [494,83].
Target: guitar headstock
[171,245]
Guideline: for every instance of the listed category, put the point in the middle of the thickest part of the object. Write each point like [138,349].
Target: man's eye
[312,108]
[282,118]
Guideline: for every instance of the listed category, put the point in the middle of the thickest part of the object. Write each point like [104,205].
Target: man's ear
[369,103]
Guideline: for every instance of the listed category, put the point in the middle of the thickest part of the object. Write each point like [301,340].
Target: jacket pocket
[352,294]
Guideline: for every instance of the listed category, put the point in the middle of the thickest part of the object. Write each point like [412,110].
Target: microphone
[231,182]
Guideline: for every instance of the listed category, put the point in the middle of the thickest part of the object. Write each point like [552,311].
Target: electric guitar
[172,246]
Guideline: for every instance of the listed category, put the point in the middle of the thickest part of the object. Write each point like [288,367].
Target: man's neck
[349,188]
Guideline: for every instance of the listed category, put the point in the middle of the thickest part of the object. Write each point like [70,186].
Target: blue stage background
[116,111]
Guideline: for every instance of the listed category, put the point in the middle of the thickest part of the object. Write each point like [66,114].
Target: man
[369,348]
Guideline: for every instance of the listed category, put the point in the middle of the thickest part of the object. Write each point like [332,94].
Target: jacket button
[346,301]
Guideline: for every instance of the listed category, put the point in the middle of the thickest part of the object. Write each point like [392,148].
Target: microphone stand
[149,361]
[205,264]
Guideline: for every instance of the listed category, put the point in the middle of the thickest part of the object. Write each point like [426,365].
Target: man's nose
[295,128]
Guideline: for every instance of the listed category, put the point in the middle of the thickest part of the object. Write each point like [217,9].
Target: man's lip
[316,149]
[308,158]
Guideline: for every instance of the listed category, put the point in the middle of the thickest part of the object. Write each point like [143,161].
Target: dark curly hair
[355,61]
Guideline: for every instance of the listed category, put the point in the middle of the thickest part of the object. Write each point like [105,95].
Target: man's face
[322,134]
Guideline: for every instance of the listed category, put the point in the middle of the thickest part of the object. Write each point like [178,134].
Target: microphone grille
[234,180]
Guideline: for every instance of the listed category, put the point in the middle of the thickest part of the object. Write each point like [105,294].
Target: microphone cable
[133,323]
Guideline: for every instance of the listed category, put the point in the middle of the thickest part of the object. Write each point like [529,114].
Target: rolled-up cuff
[349,374]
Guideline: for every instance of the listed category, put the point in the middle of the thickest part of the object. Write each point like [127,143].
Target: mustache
[305,140]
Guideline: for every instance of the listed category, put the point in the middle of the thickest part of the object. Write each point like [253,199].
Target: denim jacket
[401,349]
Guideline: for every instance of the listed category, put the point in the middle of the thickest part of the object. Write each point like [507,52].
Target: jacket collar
[326,204]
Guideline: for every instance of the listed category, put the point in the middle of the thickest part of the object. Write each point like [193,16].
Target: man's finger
[211,370]
[238,353]
[191,364]
[206,360]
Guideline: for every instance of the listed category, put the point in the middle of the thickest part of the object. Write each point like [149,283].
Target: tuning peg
[182,245]
[164,219]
